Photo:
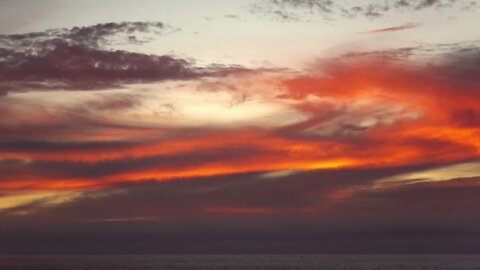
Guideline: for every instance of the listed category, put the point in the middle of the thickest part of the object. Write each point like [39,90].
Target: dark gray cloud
[95,36]
[79,58]
[328,9]
[76,67]
[39,146]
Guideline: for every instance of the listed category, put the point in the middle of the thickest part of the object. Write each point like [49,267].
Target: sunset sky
[239,126]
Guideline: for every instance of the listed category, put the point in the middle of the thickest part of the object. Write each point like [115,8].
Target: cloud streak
[297,10]
[392,29]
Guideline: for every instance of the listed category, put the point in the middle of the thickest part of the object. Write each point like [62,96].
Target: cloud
[368,151]
[352,114]
[75,67]
[360,118]
[354,100]
[392,29]
[218,214]
[327,9]
[95,36]
[42,174]
[79,58]
[205,197]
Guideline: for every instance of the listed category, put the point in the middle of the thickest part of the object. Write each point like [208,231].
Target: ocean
[234,262]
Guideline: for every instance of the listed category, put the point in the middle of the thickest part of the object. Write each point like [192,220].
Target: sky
[239,126]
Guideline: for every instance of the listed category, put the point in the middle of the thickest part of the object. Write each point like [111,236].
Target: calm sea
[330,262]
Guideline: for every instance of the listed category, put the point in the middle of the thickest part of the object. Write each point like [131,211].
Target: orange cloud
[359,113]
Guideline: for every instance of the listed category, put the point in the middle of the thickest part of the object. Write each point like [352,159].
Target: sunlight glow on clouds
[110,123]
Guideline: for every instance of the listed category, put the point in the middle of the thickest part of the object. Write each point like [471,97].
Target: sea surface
[227,262]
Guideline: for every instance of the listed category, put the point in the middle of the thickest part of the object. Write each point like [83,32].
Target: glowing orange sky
[423,130]
[264,126]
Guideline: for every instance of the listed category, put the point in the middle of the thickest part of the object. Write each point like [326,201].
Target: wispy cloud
[328,9]
[392,29]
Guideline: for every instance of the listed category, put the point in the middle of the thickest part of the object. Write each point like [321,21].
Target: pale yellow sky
[209,34]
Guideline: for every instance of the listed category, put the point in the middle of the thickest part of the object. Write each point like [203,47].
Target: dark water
[327,262]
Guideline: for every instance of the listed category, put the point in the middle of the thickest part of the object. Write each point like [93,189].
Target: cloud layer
[374,147]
